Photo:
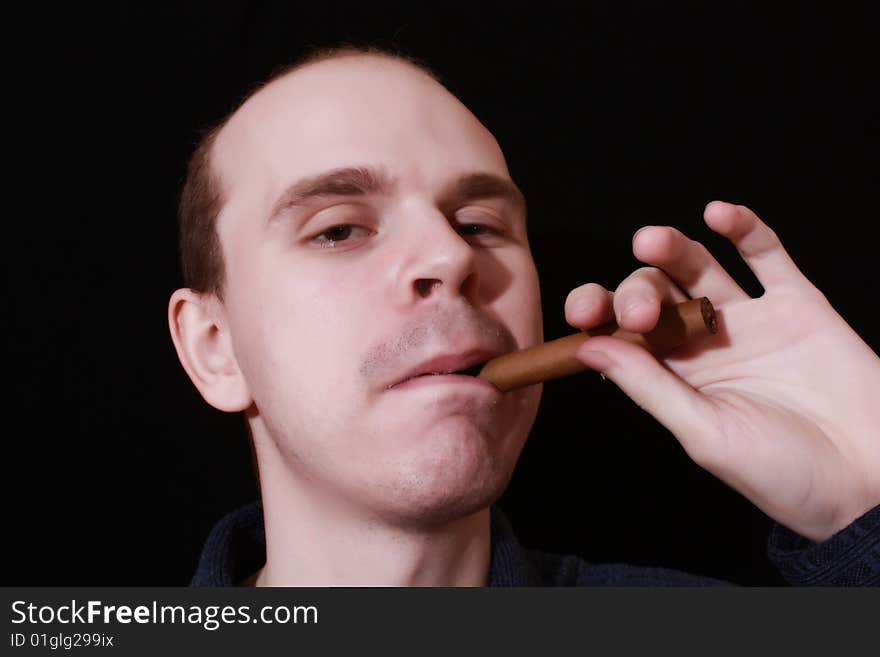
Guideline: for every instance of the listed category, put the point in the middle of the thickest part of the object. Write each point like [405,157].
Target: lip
[444,368]
[454,380]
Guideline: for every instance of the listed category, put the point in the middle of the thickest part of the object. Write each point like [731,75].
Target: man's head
[367,230]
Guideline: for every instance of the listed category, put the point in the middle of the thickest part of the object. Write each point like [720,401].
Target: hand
[783,404]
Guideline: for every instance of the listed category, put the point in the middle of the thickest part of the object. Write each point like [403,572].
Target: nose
[439,262]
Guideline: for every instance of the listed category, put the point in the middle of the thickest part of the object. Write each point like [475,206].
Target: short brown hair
[201,197]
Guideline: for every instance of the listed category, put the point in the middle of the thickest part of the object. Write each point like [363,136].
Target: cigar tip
[709,317]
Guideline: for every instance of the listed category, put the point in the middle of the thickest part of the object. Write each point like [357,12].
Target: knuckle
[642,273]
[582,291]
[771,234]
[645,280]
[699,250]
[649,272]
[674,235]
[584,297]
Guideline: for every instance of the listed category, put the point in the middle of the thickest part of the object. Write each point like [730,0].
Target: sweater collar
[236,548]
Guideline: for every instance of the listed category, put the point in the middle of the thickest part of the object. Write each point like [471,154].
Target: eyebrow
[346,181]
[365,180]
[473,186]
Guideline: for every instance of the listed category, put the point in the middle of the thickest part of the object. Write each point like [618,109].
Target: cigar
[678,324]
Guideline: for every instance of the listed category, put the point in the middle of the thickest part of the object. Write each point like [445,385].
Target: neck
[313,541]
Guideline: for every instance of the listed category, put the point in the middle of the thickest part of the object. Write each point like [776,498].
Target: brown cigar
[678,324]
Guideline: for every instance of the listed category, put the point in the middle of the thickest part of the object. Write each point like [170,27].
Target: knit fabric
[236,548]
[849,558]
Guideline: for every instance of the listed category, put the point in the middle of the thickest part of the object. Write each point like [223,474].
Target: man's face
[337,291]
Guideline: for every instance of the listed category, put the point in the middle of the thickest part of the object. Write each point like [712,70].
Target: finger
[638,297]
[688,263]
[656,389]
[756,241]
[588,305]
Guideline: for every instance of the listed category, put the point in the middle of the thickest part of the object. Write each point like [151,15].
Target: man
[352,239]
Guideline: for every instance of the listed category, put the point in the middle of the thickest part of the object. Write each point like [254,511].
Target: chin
[444,509]
[452,475]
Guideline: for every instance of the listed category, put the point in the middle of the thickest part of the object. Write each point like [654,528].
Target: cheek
[519,306]
[295,339]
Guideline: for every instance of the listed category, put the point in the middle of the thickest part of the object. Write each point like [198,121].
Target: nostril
[425,285]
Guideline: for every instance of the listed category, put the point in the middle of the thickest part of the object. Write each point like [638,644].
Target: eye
[336,234]
[480,223]
[481,233]
[474,230]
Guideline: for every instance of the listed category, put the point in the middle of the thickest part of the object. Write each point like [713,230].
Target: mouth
[470,371]
[465,365]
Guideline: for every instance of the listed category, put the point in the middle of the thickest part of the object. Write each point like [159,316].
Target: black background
[613,115]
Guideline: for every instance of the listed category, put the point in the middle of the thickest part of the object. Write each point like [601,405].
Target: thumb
[656,389]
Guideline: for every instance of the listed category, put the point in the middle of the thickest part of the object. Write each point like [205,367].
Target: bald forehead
[341,81]
[345,70]
[346,86]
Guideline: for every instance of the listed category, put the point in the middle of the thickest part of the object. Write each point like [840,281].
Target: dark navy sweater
[236,548]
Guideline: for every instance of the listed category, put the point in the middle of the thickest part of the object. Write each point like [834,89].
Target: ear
[204,348]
